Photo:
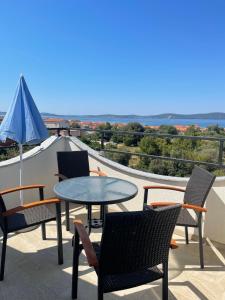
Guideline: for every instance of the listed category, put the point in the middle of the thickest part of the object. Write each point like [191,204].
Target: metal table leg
[103,211]
[89,218]
[67,210]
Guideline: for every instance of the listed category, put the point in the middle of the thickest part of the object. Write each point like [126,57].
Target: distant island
[206,116]
[167,116]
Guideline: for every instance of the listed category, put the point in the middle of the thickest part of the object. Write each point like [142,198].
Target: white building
[56,123]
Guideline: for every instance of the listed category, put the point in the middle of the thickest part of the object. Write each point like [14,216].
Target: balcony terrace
[31,265]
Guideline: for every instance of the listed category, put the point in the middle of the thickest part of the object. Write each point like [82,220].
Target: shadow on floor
[32,271]
[36,275]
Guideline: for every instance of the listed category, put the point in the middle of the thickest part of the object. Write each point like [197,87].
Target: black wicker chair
[133,244]
[74,164]
[195,196]
[27,215]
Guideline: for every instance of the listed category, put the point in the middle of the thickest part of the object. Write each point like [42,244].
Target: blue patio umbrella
[23,122]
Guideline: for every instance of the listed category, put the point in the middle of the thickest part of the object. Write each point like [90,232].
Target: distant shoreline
[202,116]
[203,121]
[199,116]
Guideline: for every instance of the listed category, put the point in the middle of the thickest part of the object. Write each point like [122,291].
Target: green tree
[215,130]
[132,140]
[161,167]
[121,158]
[116,136]
[150,130]
[91,140]
[168,129]
[193,131]
[149,145]
[107,135]
[182,148]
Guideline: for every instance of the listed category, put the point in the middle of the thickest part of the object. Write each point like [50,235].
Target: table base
[94,223]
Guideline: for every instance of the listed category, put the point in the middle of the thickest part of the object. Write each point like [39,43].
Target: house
[56,123]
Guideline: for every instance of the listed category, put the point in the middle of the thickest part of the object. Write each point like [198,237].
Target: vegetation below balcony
[130,150]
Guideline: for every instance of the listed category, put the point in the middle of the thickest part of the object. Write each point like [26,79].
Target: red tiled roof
[52,120]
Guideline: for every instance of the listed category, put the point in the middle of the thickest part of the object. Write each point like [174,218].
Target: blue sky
[118,56]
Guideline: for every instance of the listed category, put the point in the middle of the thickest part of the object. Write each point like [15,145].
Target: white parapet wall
[40,165]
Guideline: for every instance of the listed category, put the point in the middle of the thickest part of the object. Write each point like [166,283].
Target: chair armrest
[14,210]
[87,245]
[163,187]
[61,176]
[20,188]
[173,244]
[99,173]
[194,207]
[185,205]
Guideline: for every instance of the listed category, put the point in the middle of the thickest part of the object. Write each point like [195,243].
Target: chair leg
[3,257]
[43,231]
[201,256]
[165,281]
[76,253]
[100,296]
[59,233]
[67,209]
[100,292]
[186,235]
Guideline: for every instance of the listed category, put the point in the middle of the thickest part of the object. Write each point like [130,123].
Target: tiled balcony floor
[32,272]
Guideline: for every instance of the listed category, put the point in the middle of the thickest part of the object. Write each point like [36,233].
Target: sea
[145,120]
[148,121]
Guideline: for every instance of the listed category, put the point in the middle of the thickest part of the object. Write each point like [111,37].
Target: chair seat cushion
[185,218]
[31,216]
[125,281]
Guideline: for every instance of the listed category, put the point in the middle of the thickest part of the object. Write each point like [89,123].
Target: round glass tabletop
[95,190]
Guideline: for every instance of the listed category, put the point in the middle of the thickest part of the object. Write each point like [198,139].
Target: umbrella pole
[21,192]
[21,171]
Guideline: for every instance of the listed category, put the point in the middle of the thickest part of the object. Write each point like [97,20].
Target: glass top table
[94,190]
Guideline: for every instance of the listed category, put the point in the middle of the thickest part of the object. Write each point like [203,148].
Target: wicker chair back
[133,241]
[73,163]
[198,186]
